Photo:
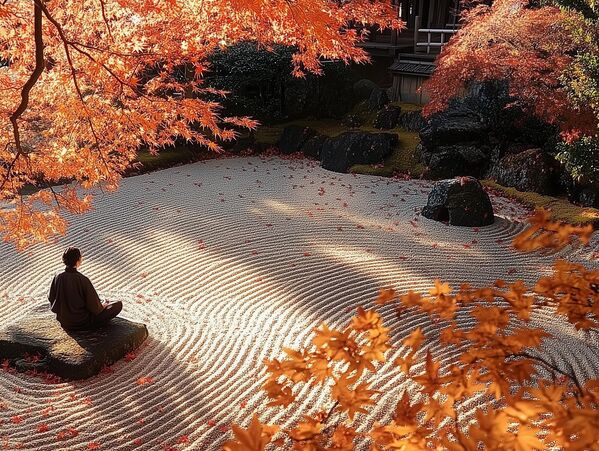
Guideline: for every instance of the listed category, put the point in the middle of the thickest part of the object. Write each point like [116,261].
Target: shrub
[581,159]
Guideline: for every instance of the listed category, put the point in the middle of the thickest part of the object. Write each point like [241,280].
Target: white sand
[227,261]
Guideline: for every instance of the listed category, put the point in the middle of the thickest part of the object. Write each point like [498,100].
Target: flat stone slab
[68,354]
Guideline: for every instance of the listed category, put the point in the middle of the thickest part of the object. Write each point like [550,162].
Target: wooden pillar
[431,12]
[416,27]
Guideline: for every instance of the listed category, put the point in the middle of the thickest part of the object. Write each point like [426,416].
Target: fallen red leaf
[145,380]
[66,434]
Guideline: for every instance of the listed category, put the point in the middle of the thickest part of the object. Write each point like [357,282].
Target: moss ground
[561,209]
[165,158]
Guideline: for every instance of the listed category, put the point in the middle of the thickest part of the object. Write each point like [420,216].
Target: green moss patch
[401,161]
[561,209]
[165,158]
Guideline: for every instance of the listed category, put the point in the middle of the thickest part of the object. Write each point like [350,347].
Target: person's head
[72,257]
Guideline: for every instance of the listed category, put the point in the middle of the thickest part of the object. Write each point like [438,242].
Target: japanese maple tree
[534,47]
[85,83]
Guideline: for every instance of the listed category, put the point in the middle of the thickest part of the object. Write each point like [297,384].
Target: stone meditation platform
[68,354]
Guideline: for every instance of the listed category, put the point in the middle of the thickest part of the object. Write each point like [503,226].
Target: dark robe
[74,299]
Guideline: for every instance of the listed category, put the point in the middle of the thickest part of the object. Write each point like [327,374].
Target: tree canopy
[85,83]
[543,50]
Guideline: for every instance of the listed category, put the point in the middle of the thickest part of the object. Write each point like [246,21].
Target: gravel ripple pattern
[227,261]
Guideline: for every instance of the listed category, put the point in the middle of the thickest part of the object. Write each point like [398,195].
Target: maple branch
[103,7]
[65,43]
[33,78]
[331,410]
[552,367]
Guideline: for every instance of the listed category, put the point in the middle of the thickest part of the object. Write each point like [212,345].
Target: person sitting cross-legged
[74,299]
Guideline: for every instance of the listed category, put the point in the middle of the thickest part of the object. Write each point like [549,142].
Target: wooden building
[430,25]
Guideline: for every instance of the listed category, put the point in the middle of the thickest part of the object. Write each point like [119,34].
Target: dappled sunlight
[371,265]
[225,283]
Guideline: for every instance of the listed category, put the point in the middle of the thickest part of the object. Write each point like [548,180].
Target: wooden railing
[444,34]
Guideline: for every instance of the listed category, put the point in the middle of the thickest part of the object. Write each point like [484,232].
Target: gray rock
[412,121]
[387,118]
[352,121]
[455,160]
[294,137]
[67,354]
[461,202]
[378,99]
[313,146]
[530,170]
[453,126]
[342,152]
[363,88]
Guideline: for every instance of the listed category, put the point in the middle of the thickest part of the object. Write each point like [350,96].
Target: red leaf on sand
[243,404]
[42,428]
[211,423]
[130,356]
[467,246]
[223,428]
[137,442]
[183,439]
[66,434]
[17,419]
[93,445]
[307,254]
[145,380]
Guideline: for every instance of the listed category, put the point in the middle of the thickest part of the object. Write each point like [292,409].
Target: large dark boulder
[453,126]
[363,88]
[387,118]
[530,170]
[294,137]
[313,146]
[461,202]
[68,354]
[456,160]
[342,152]
[378,99]
[412,121]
